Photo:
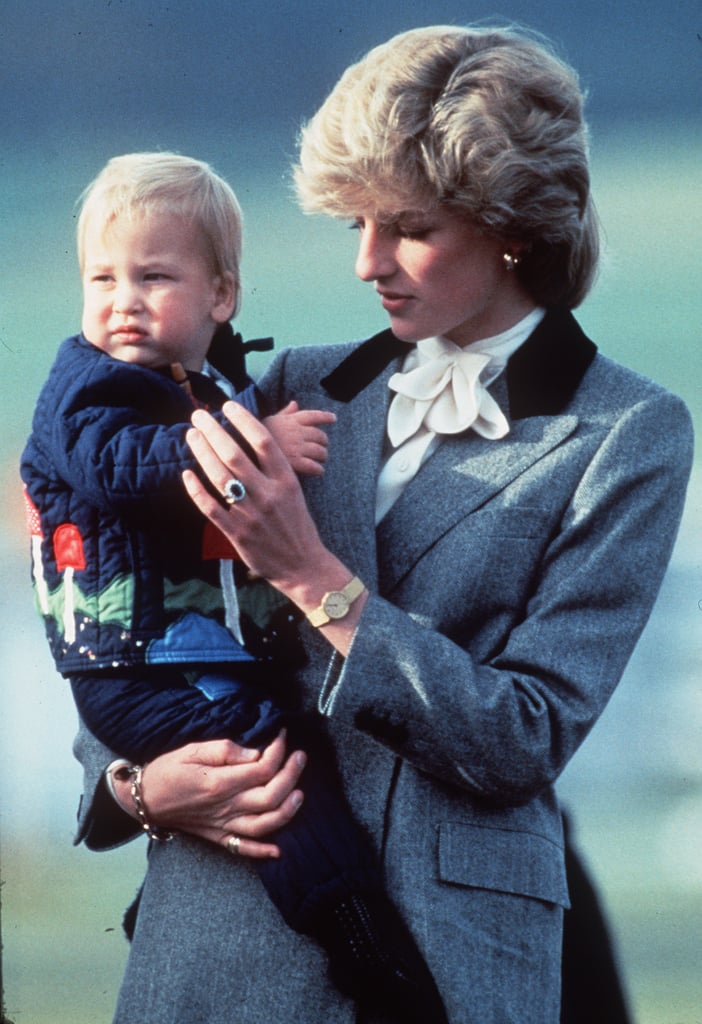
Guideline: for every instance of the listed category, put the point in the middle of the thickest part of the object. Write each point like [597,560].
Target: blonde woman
[507,497]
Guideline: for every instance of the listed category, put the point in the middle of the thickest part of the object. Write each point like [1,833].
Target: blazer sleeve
[500,711]
[102,824]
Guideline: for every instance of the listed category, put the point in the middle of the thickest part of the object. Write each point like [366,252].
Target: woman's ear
[225,297]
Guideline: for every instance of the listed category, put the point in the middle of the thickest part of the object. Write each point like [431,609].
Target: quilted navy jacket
[125,570]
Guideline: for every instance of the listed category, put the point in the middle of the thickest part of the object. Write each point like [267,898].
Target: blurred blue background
[231,83]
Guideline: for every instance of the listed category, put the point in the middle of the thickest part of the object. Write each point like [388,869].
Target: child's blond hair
[166,183]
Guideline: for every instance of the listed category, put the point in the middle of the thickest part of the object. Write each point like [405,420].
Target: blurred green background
[81,82]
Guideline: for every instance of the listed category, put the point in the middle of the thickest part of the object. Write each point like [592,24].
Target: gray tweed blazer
[509,585]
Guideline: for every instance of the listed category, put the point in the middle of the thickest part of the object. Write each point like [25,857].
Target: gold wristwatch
[336,603]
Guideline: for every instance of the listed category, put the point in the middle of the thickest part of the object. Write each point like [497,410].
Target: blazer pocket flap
[504,860]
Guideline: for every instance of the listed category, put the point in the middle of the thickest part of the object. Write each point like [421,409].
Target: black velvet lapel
[364,364]
[545,372]
[542,375]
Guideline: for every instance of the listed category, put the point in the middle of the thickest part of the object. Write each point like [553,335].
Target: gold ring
[233,844]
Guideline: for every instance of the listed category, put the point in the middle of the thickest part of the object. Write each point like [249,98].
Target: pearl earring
[511,261]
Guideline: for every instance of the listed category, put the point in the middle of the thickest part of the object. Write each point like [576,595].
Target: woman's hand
[217,789]
[270,527]
[268,523]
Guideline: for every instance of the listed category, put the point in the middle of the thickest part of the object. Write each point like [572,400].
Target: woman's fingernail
[297,801]
[300,759]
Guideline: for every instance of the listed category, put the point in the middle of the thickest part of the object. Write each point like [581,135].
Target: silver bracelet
[110,773]
[134,772]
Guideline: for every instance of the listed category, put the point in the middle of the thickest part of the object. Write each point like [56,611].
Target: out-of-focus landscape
[230,84]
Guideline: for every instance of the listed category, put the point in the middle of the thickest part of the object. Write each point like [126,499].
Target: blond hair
[488,122]
[139,184]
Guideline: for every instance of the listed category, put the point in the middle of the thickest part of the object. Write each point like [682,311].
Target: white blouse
[442,389]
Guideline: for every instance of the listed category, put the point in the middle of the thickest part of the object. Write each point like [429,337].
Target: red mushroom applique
[36,535]
[70,555]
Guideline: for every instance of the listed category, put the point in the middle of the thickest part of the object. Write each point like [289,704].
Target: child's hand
[300,437]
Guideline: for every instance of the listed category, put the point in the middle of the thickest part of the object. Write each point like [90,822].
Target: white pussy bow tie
[446,392]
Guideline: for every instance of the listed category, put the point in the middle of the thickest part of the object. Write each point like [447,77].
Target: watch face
[336,605]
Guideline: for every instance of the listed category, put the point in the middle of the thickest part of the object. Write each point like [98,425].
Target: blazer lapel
[542,376]
[363,365]
[465,471]
[344,504]
[462,475]
[546,371]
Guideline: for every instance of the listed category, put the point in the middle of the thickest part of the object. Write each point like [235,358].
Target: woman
[508,498]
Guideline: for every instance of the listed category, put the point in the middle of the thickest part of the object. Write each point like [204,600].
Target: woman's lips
[394,302]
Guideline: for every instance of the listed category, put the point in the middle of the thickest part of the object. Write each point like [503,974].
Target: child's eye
[155,275]
[356,225]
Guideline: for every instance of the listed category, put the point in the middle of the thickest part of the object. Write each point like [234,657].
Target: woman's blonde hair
[488,122]
[139,184]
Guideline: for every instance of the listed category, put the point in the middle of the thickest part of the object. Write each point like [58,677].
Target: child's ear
[226,294]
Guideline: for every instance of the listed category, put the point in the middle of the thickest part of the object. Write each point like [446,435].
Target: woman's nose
[376,254]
